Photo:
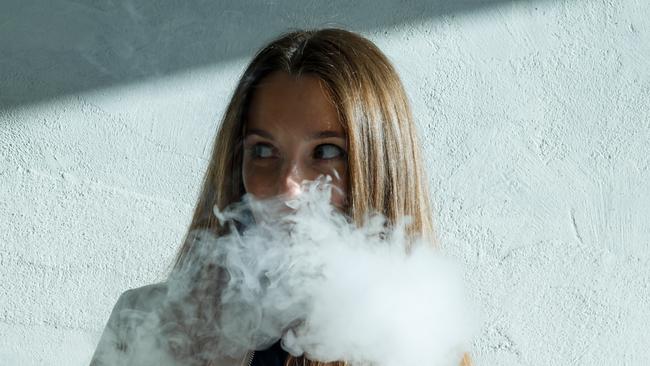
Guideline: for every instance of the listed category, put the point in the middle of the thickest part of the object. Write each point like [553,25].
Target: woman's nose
[291,180]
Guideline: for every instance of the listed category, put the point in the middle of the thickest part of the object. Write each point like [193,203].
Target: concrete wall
[533,115]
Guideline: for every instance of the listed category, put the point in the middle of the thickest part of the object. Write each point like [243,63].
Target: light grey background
[533,117]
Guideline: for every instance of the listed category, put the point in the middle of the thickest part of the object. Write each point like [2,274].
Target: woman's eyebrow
[257,131]
[326,134]
[315,136]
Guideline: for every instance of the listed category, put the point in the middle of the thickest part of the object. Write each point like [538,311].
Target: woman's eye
[328,151]
[262,151]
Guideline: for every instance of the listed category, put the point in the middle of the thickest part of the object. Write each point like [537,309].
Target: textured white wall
[534,119]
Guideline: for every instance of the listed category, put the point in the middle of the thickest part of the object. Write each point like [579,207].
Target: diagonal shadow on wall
[59,47]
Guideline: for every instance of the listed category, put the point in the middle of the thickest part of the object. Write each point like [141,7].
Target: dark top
[272,356]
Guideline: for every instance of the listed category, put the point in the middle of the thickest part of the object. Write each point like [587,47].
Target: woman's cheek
[339,198]
[340,186]
[257,181]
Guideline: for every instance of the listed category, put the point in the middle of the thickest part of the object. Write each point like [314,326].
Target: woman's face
[293,134]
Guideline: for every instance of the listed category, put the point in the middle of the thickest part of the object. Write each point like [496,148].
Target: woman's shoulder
[133,309]
[144,298]
[132,333]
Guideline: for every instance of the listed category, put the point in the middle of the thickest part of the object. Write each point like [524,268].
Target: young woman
[310,103]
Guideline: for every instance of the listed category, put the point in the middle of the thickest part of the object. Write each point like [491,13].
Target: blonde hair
[384,159]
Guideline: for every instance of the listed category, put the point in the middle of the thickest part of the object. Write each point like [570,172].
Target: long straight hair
[384,160]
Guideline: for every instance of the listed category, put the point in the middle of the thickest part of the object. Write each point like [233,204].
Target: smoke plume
[300,271]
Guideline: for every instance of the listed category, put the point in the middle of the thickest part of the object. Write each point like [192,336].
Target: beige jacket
[124,326]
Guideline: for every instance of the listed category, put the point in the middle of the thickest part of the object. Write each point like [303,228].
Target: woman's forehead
[298,103]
